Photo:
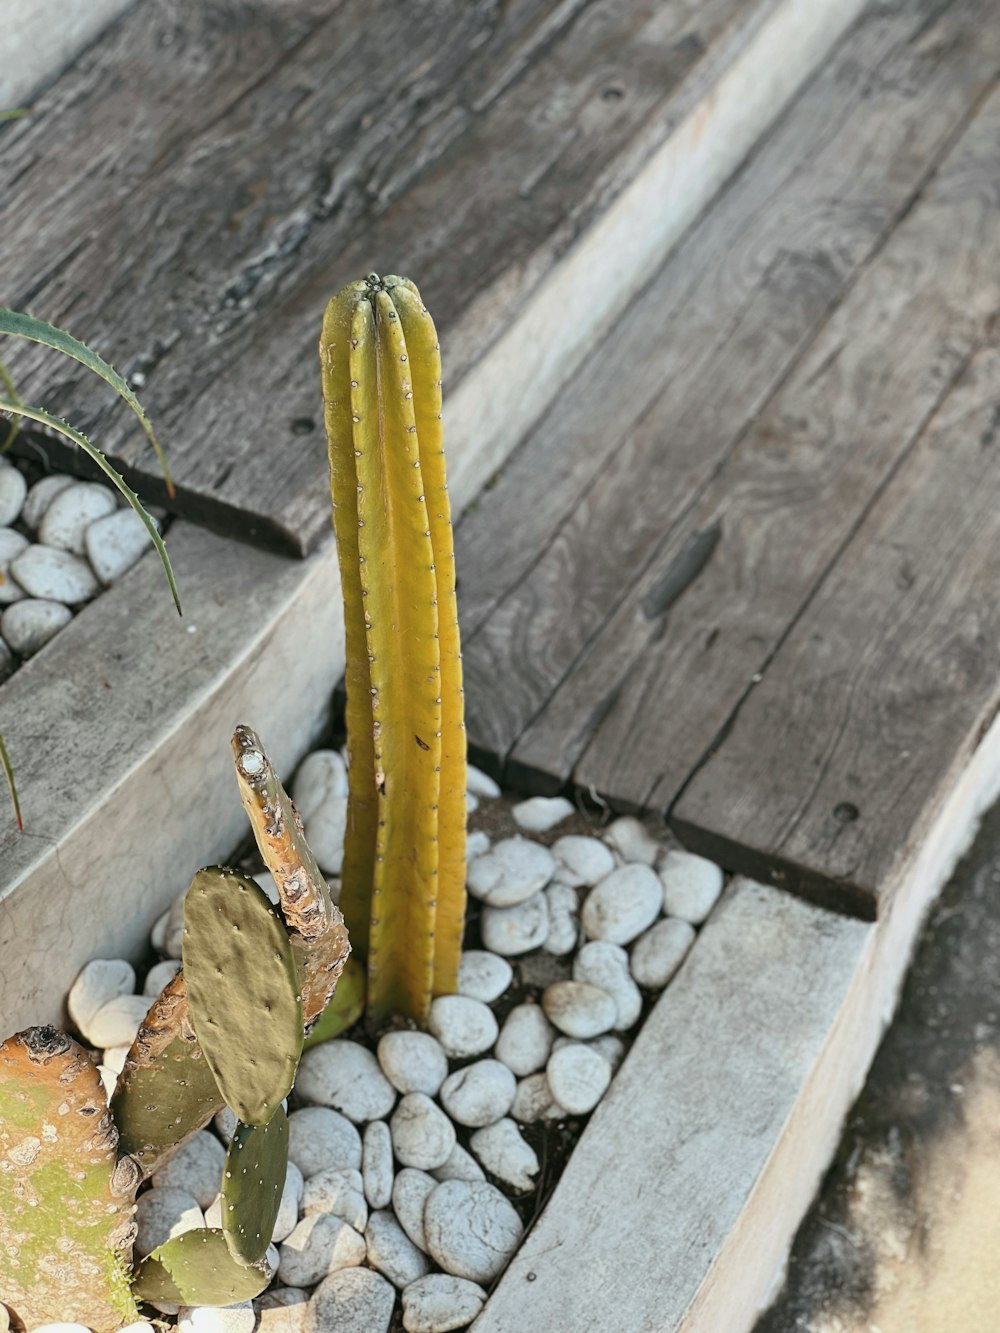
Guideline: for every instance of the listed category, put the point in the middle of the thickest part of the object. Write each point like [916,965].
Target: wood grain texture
[879,696]
[627,447]
[274,158]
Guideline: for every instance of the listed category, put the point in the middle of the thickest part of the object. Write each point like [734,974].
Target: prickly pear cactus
[404,855]
[196,1268]
[66,1201]
[252,1182]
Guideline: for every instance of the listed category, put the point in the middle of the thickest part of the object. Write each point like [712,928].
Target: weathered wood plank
[470,147]
[39,38]
[626,448]
[837,760]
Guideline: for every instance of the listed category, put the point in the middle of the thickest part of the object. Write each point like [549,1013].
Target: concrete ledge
[39,37]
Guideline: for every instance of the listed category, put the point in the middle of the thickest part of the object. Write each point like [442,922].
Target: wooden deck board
[621,458]
[469,147]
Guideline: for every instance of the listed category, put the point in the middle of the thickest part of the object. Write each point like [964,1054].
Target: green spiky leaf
[10,389]
[346,1007]
[196,1268]
[243,989]
[252,1182]
[20,325]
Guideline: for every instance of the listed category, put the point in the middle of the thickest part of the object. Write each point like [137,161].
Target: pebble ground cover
[418,1159]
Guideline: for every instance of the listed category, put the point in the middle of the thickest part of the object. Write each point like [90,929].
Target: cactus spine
[404,856]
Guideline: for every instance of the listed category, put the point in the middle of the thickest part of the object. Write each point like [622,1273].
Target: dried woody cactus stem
[404,856]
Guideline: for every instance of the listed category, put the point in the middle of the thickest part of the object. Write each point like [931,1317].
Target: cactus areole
[403,895]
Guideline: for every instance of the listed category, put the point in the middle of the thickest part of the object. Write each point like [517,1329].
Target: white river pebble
[13,489]
[606,966]
[11,545]
[115,1056]
[55,576]
[162,1213]
[515,930]
[175,928]
[321,775]
[117,1021]
[160,975]
[439,1303]
[376,1164]
[319,1244]
[578,1077]
[579,1009]
[691,886]
[158,934]
[356,1300]
[346,1076]
[632,841]
[610,1048]
[338,1191]
[239,1318]
[282,1310]
[478,1094]
[534,1101]
[623,904]
[472,1229]
[319,1137]
[265,880]
[658,953]
[483,976]
[564,919]
[525,1040]
[409,1194]
[71,513]
[97,982]
[114,544]
[28,625]
[225,1122]
[471,803]
[463,1026]
[196,1166]
[538,814]
[325,829]
[477,843]
[422,1135]
[501,1149]
[583,860]
[513,870]
[391,1251]
[40,496]
[461,1165]
[413,1061]
[480,783]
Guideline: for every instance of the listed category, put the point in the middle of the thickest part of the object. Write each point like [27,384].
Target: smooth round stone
[472,1229]
[632,841]
[117,1022]
[114,544]
[410,1190]
[319,1137]
[162,1213]
[658,953]
[422,1135]
[196,1166]
[175,928]
[41,495]
[7,664]
[578,1077]
[460,1165]
[504,1154]
[325,829]
[510,872]
[265,880]
[213,1213]
[391,1251]
[337,1191]
[282,1310]
[691,886]
[525,1040]
[319,1244]
[13,489]
[288,1208]
[413,1061]
[158,934]
[71,513]
[320,776]
[55,576]
[480,783]
[471,803]
[479,1094]
[238,1318]
[376,1164]
[605,965]
[346,1076]
[439,1303]
[623,905]
[515,930]
[97,982]
[355,1300]
[564,919]
[610,1048]
[160,975]
[225,1122]
[463,1026]
[483,976]
[579,1009]
[583,860]
[477,843]
[115,1056]
[109,1080]
[11,545]
[538,814]
[28,625]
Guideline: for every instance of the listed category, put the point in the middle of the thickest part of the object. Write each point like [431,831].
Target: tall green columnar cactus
[403,876]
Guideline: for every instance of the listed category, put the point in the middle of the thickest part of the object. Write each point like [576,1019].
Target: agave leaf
[10,388]
[18,324]
[8,772]
[64,428]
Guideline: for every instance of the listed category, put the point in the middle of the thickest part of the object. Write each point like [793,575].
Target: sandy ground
[905,1236]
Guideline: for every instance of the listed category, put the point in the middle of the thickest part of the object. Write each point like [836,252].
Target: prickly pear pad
[196,1268]
[252,1181]
[243,989]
